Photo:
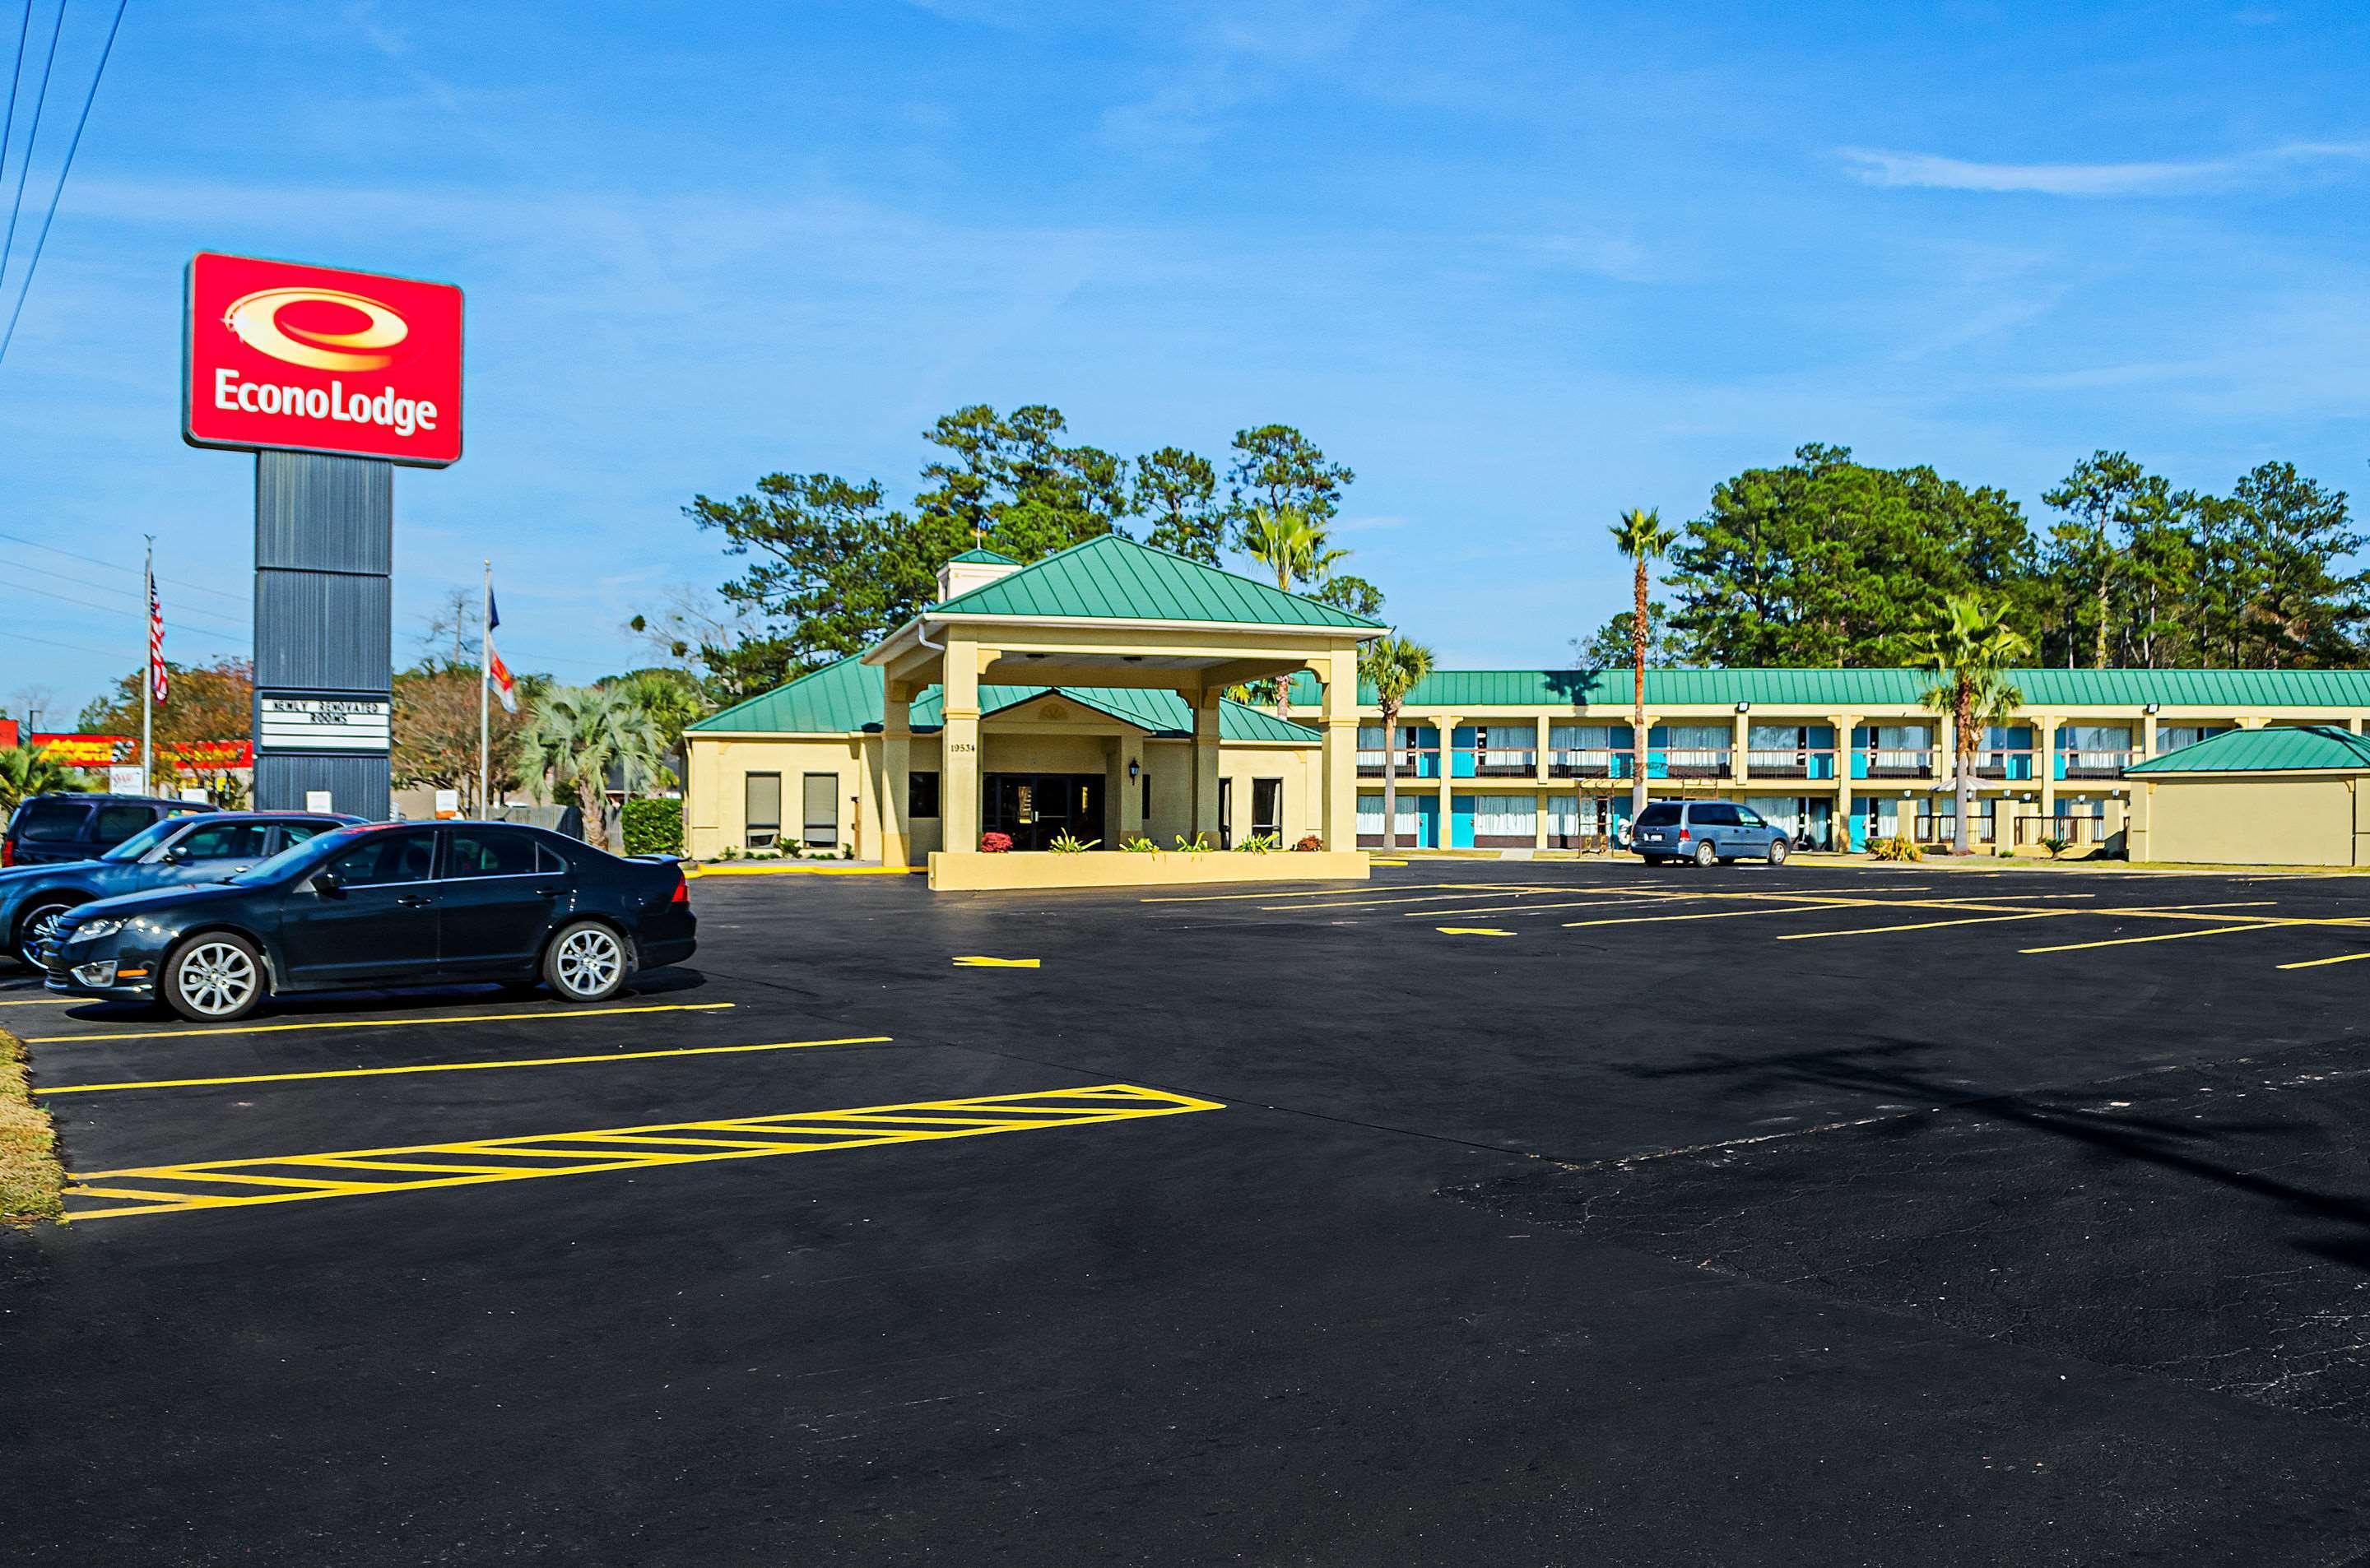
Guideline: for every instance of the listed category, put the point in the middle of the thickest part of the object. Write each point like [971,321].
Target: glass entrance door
[1036,808]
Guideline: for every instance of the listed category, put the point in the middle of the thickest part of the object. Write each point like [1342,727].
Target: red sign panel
[312,359]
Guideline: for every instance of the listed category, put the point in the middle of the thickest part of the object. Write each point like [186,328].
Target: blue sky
[1521,266]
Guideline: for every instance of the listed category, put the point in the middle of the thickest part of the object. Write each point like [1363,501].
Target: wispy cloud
[1930,171]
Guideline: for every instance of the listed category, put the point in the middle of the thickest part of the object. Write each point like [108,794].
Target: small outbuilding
[2285,794]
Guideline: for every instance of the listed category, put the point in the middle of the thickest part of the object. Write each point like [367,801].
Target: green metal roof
[982,558]
[2042,688]
[1114,579]
[2274,748]
[843,698]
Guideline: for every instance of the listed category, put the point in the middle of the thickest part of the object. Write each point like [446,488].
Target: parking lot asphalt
[1535,1213]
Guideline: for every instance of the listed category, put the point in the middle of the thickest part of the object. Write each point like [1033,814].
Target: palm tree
[26,771]
[1395,666]
[1640,535]
[579,733]
[1969,643]
[1290,543]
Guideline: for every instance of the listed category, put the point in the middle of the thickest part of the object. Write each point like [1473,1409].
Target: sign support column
[324,637]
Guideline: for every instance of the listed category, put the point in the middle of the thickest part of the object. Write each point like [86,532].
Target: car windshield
[143,840]
[295,859]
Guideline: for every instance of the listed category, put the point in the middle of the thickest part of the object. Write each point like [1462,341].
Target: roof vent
[972,568]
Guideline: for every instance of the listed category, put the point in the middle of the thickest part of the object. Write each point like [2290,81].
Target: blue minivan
[1706,831]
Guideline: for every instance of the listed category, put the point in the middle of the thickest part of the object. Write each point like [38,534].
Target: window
[489,852]
[821,811]
[1716,815]
[761,810]
[1267,808]
[1748,818]
[921,795]
[549,862]
[298,832]
[225,840]
[1662,814]
[117,823]
[1226,813]
[1505,817]
[51,821]
[1148,798]
[384,858]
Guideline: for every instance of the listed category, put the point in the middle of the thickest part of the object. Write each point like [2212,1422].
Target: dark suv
[1705,831]
[52,827]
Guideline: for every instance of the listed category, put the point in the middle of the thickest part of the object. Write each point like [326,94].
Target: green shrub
[1201,844]
[2056,846]
[1067,842]
[1258,844]
[652,827]
[1900,846]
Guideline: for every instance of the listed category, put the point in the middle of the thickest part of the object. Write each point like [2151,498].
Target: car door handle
[552,892]
[414,900]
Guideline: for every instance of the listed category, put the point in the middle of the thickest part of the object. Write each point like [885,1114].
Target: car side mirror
[177,856]
[326,883]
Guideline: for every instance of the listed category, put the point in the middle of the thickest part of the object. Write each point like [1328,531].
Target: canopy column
[1339,673]
[1207,703]
[959,746]
[893,782]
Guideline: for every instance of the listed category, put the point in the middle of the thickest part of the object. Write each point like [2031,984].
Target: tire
[1779,850]
[586,962]
[1705,855]
[214,978]
[36,925]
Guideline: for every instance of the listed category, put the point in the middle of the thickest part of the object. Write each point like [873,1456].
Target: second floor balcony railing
[1791,763]
[2094,764]
[2004,764]
[1888,762]
[1418,762]
[1496,762]
[1670,763]
[1588,763]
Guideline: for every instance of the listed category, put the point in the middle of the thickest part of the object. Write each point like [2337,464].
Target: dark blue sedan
[204,847]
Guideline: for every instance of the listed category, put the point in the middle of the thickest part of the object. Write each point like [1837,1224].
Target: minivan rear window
[1661,815]
[51,821]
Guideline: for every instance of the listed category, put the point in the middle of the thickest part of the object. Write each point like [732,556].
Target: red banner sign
[312,359]
[107,750]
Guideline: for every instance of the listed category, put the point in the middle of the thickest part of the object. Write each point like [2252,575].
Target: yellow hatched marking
[382,1023]
[2164,936]
[1707,915]
[154,1191]
[460,1066]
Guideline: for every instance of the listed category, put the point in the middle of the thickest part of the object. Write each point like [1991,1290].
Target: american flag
[497,674]
[159,681]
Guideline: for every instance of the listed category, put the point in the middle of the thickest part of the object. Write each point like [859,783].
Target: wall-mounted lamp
[2151,708]
[1745,707]
[1134,769]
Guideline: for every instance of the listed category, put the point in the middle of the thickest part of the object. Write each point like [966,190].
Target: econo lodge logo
[310,359]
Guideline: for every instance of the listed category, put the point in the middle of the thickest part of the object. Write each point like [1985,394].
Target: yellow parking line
[1238,898]
[376,1023]
[45,1002]
[2164,936]
[460,1066]
[164,1189]
[1396,898]
[1470,930]
[1634,902]
[2317,963]
[2018,915]
[1712,915]
[979,961]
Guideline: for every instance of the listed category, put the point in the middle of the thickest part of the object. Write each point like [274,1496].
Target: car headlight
[96,930]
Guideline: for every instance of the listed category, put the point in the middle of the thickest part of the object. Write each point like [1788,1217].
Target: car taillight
[8,855]
[1682,835]
[682,891]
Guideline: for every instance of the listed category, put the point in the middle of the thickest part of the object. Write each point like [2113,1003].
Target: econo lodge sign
[312,359]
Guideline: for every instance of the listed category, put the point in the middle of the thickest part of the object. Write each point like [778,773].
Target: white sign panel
[122,780]
[324,723]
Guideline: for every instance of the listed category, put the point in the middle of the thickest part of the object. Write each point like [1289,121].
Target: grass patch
[32,1183]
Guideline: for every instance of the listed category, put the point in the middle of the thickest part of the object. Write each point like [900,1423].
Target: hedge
[653,827]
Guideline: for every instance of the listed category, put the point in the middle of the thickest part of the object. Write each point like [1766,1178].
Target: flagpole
[147,663]
[485,678]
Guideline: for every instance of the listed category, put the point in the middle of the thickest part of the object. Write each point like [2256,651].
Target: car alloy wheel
[1705,855]
[39,927]
[1777,852]
[588,962]
[215,978]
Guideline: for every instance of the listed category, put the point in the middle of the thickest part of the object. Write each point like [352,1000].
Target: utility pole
[485,680]
[147,666]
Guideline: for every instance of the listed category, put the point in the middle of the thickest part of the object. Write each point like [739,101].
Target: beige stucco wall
[1075,740]
[2232,819]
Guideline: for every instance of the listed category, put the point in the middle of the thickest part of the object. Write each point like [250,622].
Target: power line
[50,642]
[226,622]
[31,138]
[240,598]
[219,631]
[72,145]
[15,74]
